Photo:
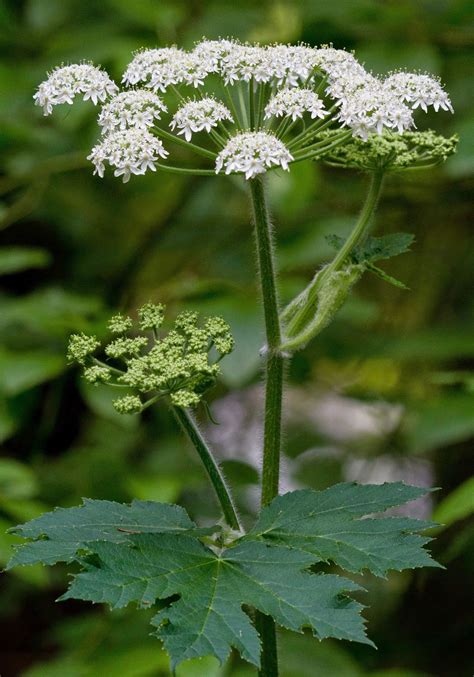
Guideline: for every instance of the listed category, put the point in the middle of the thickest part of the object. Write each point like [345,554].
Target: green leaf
[63,532]
[327,525]
[387,278]
[17,259]
[376,248]
[335,241]
[208,619]
[148,553]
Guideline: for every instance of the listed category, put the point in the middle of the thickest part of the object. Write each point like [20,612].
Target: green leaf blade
[64,531]
[385,247]
[327,525]
[205,592]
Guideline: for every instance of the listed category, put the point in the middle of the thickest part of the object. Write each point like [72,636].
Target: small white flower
[291,65]
[191,69]
[132,151]
[337,63]
[294,103]
[196,116]
[160,68]
[65,82]
[244,62]
[419,91]
[211,53]
[134,108]
[253,153]
[370,109]
[154,67]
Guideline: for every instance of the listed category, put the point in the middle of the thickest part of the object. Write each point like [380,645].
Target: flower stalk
[191,429]
[273,393]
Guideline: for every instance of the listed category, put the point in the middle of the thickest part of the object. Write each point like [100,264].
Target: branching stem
[299,316]
[190,427]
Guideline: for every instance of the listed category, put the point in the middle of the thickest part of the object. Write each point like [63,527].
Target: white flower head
[211,52]
[253,153]
[371,109]
[133,108]
[337,63]
[290,65]
[196,116]
[65,82]
[191,69]
[160,68]
[132,151]
[418,90]
[294,102]
[244,63]
[156,68]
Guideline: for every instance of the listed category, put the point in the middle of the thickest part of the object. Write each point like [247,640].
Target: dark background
[384,394]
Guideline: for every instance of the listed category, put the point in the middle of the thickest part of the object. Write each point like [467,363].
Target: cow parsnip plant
[244,110]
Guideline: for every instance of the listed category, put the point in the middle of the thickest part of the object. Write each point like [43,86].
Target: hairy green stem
[265,627]
[273,394]
[362,224]
[301,314]
[189,425]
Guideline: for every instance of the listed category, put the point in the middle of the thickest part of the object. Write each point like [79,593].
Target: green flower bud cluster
[181,364]
[80,347]
[391,151]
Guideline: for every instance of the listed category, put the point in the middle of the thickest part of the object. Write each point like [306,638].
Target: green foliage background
[384,394]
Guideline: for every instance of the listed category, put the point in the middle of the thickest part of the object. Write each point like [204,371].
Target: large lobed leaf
[208,617]
[328,525]
[148,552]
[60,534]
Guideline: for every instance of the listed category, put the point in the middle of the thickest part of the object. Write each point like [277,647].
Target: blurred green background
[384,394]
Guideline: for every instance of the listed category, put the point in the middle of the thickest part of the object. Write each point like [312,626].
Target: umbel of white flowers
[260,107]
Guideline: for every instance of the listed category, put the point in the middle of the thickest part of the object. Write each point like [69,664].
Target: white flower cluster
[137,108]
[160,68]
[196,116]
[132,151]
[299,77]
[371,108]
[369,104]
[419,90]
[294,102]
[252,153]
[65,82]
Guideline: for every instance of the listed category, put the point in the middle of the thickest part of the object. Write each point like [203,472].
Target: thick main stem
[189,425]
[273,394]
